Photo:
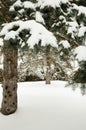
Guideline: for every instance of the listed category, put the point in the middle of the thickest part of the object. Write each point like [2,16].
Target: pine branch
[4,11]
[65,38]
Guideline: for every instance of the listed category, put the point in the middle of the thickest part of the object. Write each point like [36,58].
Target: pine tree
[19,34]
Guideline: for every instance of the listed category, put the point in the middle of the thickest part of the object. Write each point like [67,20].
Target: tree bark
[48,77]
[9,101]
[48,71]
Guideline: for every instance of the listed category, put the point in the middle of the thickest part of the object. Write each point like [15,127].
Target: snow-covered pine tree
[63,18]
[43,12]
[79,51]
[29,10]
[20,33]
[67,21]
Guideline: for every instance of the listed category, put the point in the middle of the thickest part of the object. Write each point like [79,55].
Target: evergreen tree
[21,34]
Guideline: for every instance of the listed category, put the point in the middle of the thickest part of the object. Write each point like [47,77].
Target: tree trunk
[48,77]
[48,71]
[9,101]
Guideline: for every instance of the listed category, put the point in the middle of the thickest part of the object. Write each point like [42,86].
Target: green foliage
[81,2]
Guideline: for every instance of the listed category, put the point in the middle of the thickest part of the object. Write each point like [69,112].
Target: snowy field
[46,107]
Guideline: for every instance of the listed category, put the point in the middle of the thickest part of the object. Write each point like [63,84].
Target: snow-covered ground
[46,107]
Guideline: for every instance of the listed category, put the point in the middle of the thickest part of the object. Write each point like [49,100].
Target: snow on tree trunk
[9,101]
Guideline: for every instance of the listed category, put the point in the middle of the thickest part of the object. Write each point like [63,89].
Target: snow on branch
[82,31]
[51,3]
[20,4]
[41,3]
[65,44]
[81,9]
[80,53]
[1,42]
[32,31]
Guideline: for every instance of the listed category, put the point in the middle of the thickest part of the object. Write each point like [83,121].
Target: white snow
[62,18]
[81,9]
[52,3]
[72,28]
[46,107]
[1,66]
[65,44]
[80,53]
[1,42]
[18,3]
[9,35]
[38,33]
[82,31]
[39,17]
[28,4]
[1,61]
[25,4]
[11,8]
[9,26]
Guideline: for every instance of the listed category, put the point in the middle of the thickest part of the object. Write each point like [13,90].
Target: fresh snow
[72,28]
[82,31]
[25,4]
[18,3]
[46,107]
[39,17]
[37,33]
[1,42]
[51,3]
[28,4]
[81,9]
[7,27]
[1,66]
[10,35]
[1,61]
[65,44]
[80,53]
